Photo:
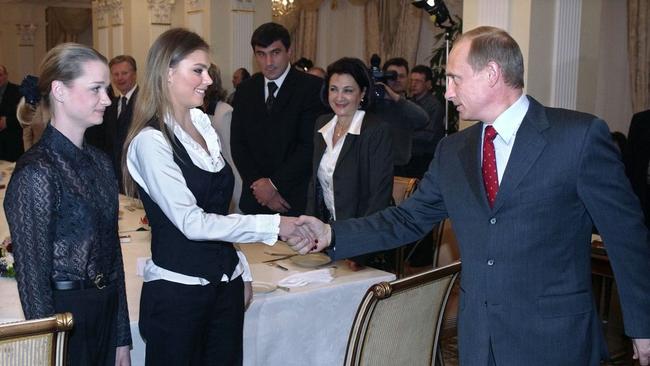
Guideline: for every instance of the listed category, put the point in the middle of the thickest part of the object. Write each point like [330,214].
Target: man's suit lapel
[256,100]
[470,159]
[284,94]
[529,144]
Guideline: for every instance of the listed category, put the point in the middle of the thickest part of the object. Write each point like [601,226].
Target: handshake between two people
[305,234]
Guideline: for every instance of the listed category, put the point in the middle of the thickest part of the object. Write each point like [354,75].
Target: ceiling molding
[59,3]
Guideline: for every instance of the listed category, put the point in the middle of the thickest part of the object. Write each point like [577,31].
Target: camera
[377,75]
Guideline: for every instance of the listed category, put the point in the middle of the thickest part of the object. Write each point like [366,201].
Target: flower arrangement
[6,259]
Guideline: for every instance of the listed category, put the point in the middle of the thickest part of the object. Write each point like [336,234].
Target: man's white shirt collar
[509,121]
[129,93]
[277,81]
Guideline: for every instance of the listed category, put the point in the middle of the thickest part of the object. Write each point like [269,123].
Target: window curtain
[302,24]
[392,29]
[638,28]
[65,24]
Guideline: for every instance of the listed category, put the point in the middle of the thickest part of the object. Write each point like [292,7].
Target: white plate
[310,260]
[260,287]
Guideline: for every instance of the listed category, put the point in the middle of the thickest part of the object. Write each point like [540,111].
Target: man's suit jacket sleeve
[380,156]
[310,208]
[605,191]
[413,114]
[238,141]
[394,226]
[9,106]
[296,169]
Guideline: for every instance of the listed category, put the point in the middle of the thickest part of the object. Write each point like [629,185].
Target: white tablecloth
[303,326]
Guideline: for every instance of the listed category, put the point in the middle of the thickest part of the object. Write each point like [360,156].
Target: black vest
[170,249]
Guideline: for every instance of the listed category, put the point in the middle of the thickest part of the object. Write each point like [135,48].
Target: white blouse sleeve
[151,163]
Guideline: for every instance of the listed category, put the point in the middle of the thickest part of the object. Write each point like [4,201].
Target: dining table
[306,325]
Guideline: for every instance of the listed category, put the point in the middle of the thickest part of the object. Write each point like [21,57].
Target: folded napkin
[324,275]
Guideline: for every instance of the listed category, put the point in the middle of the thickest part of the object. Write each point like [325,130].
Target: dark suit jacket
[403,117]
[363,176]
[11,138]
[276,145]
[526,278]
[111,134]
[637,158]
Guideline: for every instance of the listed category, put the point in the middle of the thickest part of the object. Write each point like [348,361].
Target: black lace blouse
[62,208]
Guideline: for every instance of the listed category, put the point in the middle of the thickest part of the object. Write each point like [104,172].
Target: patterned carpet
[619,347]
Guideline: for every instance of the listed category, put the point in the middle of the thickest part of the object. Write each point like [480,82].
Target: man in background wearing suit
[272,127]
[118,116]
[637,159]
[523,190]
[11,134]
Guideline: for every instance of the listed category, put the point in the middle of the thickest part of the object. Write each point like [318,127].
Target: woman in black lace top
[61,205]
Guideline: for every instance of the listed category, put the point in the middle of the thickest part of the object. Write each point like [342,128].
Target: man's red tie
[490,177]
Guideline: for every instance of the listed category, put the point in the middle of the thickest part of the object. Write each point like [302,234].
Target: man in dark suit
[426,139]
[11,134]
[110,135]
[272,127]
[402,115]
[523,190]
[637,159]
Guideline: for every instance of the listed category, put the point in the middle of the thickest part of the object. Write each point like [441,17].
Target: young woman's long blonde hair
[154,103]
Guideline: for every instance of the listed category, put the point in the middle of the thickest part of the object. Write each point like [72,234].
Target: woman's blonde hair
[154,102]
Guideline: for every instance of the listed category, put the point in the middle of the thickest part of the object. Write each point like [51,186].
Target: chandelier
[282,7]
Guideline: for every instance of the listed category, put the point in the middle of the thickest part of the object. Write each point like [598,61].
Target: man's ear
[494,72]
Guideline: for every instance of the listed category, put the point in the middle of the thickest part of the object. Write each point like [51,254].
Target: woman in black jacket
[352,165]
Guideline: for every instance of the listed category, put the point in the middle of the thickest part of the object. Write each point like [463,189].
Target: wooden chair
[403,187]
[398,323]
[35,342]
[446,252]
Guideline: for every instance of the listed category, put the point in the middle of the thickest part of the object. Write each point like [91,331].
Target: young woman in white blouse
[192,301]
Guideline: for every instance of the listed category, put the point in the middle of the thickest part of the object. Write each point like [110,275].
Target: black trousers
[192,325]
[93,337]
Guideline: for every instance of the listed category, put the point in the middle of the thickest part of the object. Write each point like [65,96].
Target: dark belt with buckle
[99,282]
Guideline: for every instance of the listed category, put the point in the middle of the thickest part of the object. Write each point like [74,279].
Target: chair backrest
[402,188]
[398,323]
[446,246]
[35,342]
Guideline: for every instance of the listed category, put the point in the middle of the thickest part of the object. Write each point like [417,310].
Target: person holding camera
[402,115]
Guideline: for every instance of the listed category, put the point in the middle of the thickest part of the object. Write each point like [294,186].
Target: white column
[26,34]
[195,14]
[117,27]
[495,13]
[242,17]
[160,17]
[101,10]
[566,54]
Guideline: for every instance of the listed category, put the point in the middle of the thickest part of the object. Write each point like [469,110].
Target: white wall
[599,57]
[612,100]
